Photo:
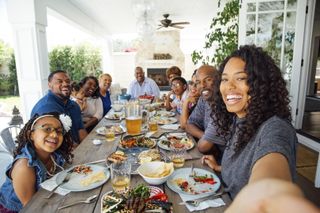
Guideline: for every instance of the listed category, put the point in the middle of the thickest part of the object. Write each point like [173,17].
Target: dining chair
[7,138]
[5,159]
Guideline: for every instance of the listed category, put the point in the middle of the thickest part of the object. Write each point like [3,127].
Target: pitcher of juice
[133,118]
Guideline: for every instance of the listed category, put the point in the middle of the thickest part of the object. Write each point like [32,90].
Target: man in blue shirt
[200,124]
[143,85]
[58,100]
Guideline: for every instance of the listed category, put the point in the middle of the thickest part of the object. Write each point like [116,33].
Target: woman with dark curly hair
[251,111]
[93,112]
[44,145]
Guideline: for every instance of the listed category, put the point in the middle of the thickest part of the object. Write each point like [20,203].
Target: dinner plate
[166,120]
[165,114]
[103,130]
[189,144]
[199,188]
[143,147]
[114,116]
[74,184]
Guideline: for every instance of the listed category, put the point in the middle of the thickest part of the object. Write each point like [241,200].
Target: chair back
[7,139]
[5,159]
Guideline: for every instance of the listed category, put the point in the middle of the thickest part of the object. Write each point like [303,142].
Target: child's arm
[23,180]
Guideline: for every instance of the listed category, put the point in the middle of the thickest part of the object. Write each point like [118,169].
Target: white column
[29,20]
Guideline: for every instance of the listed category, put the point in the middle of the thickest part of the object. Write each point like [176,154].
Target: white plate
[184,174]
[74,184]
[166,120]
[165,147]
[114,115]
[165,113]
[103,129]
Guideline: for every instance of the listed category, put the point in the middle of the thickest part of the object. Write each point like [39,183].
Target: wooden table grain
[88,152]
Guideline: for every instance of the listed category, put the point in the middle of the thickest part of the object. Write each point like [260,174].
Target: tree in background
[223,36]
[79,61]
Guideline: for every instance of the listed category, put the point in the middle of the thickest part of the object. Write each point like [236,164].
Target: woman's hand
[211,162]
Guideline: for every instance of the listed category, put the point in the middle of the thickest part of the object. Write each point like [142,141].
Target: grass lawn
[7,103]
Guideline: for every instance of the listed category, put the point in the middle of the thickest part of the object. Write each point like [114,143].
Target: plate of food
[165,113]
[141,197]
[117,157]
[202,182]
[165,120]
[149,155]
[136,141]
[114,116]
[178,142]
[84,177]
[117,129]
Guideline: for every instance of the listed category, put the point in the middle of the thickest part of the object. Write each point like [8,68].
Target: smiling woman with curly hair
[251,111]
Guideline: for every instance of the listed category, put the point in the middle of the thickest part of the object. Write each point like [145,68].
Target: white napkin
[214,202]
[51,183]
[170,126]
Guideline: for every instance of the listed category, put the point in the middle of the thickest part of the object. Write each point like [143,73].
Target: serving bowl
[148,171]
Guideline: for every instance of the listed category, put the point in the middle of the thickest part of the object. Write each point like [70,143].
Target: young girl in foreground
[251,109]
[44,145]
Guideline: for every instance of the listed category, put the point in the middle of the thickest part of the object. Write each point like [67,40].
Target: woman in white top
[93,113]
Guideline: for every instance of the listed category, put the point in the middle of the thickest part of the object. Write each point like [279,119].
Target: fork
[65,180]
[87,201]
[192,171]
[196,203]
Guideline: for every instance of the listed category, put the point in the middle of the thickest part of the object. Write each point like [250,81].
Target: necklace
[53,168]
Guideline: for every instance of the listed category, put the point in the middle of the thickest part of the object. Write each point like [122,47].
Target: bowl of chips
[155,172]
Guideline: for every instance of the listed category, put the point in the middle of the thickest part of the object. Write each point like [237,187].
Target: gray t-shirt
[273,136]
[201,117]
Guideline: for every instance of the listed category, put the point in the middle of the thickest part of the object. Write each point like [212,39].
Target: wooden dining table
[88,152]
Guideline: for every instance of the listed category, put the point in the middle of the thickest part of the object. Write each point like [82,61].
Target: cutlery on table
[192,171]
[197,202]
[88,200]
[65,180]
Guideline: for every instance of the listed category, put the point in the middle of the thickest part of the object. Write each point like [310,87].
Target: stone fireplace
[156,56]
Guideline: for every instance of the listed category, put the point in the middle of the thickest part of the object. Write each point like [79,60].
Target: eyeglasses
[49,129]
[176,85]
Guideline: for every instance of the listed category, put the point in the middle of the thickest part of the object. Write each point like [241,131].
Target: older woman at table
[94,110]
[251,109]
[105,81]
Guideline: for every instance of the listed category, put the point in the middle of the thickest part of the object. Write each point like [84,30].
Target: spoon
[88,200]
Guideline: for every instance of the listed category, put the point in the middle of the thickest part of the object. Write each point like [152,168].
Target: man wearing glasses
[58,100]
[200,124]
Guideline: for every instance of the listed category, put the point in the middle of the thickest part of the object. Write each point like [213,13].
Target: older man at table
[58,100]
[143,85]
[200,124]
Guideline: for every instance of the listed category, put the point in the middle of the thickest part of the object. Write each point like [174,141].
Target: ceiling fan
[168,23]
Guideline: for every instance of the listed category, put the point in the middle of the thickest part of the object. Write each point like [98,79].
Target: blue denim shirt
[8,197]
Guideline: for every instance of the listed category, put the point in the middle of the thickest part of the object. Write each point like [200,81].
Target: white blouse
[94,109]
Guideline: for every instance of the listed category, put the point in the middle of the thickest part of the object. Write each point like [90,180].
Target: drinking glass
[177,156]
[110,135]
[133,118]
[153,125]
[120,177]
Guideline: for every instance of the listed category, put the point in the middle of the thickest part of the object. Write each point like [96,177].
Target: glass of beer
[120,177]
[110,135]
[178,157]
[153,125]
[133,118]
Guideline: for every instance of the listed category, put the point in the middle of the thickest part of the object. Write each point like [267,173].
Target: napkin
[51,183]
[214,202]
[170,126]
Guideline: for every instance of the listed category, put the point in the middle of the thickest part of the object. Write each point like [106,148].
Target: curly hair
[267,89]
[173,70]
[24,138]
[84,81]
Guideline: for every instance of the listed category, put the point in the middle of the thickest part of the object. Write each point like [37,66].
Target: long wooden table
[88,152]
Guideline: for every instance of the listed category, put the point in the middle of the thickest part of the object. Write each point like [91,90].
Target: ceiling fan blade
[175,26]
[184,22]
[159,27]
